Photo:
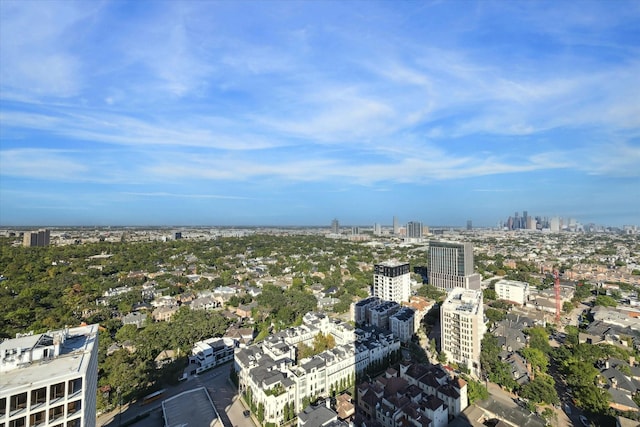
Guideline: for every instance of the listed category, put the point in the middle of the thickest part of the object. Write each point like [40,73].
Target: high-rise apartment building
[414,230]
[462,327]
[377,229]
[37,238]
[335,226]
[469,225]
[392,281]
[396,226]
[451,266]
[50,379]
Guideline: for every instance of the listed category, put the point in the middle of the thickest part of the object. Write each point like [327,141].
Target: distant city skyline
[293,112]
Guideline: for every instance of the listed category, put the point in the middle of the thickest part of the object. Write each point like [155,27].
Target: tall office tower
[554,224]
[335,226]
[50,379]
[462,327]
[392,281]
[377,229]
[451,266]
[469,225]
[37,238]
[355,231]
[516,221]
[531,223]
[525,219]
[396,226]
[414,230]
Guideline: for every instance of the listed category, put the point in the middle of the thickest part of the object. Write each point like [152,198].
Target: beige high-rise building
[451,266]
[36,238]
[462,327]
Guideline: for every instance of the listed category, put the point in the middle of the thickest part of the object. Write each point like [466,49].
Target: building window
[55,413]
[3,407]
[74,407]
[75,386]
[56,391]
[20,422]
[74,423]
[37,419]
[38,397]
[18,402]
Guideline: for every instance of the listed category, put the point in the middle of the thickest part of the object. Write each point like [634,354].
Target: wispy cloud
[163,195]
[313,94]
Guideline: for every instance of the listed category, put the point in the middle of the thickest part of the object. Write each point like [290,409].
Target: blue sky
[242,113]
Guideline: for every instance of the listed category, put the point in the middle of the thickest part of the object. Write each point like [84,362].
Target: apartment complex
[462,326]
[36,238]
[417,395]
[451,266]
[392,281]
[50,379]
[513,291]
[401,324]
[273,376]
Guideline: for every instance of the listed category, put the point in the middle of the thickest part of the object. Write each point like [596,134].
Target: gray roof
[191,408]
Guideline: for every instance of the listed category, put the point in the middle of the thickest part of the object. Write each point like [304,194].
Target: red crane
[556,277]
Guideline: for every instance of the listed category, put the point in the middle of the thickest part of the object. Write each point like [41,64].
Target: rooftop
[75,347]
[189,408]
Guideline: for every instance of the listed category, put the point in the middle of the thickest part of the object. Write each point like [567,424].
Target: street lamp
[120,407]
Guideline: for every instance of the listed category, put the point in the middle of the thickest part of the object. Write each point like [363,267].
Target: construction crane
[556,283]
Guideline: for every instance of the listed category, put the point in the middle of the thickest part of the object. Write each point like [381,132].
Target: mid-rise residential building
[271,375]
[392,281]
[210,353]
[402,324]
[361,310]
[513,291]
[451,266]
[462,327]
[420,306]
[37,238]
[50,379]
[381,313]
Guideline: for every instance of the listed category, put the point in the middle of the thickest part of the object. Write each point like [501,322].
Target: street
[221,391]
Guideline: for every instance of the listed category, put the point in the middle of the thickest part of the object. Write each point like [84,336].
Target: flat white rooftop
[73,359]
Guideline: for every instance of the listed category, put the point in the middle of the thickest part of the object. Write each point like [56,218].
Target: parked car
[584,421]
[246,413]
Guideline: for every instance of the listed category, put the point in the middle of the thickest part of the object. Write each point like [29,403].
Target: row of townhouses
[276,377]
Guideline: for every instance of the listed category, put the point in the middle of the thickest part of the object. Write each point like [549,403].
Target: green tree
[605,301]
[541,390]
[476,390]
[539,360]
[538,338]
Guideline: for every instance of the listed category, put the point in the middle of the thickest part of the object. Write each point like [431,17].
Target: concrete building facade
[392,281]
[451,266]
[462,326]
[50,379]
[513,291]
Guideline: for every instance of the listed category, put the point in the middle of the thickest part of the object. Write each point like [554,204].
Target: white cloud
[41,164]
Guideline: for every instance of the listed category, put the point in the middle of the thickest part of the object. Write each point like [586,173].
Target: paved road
[222,392]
